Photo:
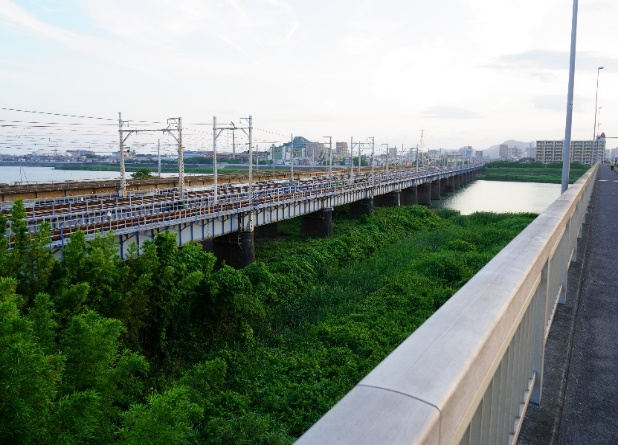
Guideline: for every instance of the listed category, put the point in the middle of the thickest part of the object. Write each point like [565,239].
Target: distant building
[584,152]
[504,151]
[341,148]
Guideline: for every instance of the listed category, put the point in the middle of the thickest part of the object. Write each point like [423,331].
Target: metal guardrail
[468,373]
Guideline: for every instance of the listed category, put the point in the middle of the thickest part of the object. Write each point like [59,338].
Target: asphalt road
[579,402]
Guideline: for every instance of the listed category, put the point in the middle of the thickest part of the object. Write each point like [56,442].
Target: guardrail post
[541,314]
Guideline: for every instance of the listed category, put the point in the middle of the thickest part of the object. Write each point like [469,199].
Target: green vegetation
[529,171]
[166,348]
[142,173]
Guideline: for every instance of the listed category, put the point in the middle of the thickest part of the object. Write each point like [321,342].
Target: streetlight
[330,157]
[596,113]
[596,98]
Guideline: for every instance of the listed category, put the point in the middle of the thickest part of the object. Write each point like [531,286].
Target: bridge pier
[361,207]
[408,197]
[236,249]
[267,230]
[423,193]
[318,224]
[392,199]
[435,189]
[456,182]
[448,185]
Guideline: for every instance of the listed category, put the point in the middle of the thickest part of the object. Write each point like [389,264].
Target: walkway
[580,394]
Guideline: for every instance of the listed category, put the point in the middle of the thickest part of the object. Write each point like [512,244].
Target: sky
[456,72]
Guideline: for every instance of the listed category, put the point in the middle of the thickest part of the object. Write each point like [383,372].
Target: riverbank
[519,171]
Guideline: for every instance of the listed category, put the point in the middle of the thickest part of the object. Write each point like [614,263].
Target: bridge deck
[579,404]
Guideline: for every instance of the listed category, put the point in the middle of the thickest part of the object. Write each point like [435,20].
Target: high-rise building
[341,148]
[584,152]
[504,151]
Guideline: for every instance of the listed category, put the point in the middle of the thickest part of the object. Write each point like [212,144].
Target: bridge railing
[468,373]
[92,214]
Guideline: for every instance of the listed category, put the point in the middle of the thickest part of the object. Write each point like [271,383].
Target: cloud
[536,60]
[447,112]
[551,102]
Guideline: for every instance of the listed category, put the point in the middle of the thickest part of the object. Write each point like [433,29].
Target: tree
[167,418]
[30,261]
[142,173]
[29,376]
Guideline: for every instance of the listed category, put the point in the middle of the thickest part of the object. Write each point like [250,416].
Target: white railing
[468,373]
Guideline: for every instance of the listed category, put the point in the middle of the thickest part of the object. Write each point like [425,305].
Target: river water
[500,197]
[486,196]
[30,175]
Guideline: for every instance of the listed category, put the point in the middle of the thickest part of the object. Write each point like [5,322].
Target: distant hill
[494,150]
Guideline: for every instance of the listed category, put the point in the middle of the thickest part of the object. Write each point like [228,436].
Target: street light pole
[566,150]
[596,98]
[596,113]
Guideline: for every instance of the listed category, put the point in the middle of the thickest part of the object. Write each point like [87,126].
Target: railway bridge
[227,217]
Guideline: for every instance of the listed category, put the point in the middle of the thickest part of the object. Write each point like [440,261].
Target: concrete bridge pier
[443,185]
[361,207]
[267,231]
[448,185]
[392,199]
[456,182]
[435,189]
[408,196]
[423,193]
[318,224]
[236,249]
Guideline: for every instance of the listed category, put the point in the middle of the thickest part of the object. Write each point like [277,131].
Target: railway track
[161,207]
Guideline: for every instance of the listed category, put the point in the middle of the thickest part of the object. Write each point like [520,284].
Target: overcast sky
[467,72]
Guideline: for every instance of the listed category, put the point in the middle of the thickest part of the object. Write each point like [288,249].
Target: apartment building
[584,152]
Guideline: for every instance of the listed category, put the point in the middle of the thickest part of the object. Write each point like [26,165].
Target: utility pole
[272,157]
[216,132]
[233,141]
[385,165]
[351,158]
[292,159]
[214,158]
[159,157]
[250,135]
[177,122]
[123,176]
[373,182]
[359,158]
[330,157]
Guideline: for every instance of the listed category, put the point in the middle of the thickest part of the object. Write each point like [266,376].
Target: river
[30,175]
[500,197]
